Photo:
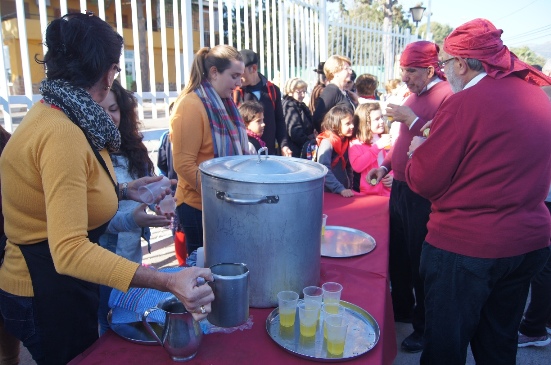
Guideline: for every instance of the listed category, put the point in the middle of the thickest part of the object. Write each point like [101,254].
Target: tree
[527,55]
[439,31]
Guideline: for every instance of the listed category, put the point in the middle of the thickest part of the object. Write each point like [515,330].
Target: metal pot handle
[269,199]
[265,150]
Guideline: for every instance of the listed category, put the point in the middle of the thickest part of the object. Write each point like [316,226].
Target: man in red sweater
[409,212]
[486,168]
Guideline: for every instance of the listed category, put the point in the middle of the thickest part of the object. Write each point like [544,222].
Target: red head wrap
[422,54]
[481,40]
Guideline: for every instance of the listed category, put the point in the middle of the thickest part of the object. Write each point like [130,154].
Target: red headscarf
[422,54]
[481,40]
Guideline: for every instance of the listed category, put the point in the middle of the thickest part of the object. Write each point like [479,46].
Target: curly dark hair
[81,49]
[132,147]
[4,137]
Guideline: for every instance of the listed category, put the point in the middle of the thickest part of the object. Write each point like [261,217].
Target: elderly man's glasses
[442,64]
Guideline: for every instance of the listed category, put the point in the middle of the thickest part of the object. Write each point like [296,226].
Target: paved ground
[162,255]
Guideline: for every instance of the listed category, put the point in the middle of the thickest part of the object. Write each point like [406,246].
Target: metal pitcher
[230,307]
[181,334]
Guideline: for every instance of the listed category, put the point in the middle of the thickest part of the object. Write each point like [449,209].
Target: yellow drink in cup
[308,315]
[335,348]
[337,327]
[287,301]
[287,319]
[332,306]
[308,331]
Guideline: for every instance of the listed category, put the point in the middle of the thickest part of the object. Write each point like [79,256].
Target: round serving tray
[135,331]
[345,242]
[363,334]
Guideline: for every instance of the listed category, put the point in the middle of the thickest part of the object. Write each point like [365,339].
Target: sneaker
[524,341]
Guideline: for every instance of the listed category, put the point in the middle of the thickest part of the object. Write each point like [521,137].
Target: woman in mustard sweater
[59,193]
[204,124]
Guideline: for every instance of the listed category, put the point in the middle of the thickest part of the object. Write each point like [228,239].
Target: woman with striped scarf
[205,124]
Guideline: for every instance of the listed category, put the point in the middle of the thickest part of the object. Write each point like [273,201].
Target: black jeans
[477,301]
[539,309]
[409,214]
[191,220]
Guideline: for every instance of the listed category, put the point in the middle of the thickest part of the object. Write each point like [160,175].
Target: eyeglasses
[118,71]
[442,64]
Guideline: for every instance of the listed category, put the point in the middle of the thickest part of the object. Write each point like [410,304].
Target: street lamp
[417,14]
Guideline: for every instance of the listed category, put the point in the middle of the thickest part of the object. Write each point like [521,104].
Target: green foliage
[439,31]
[374,12]
[527,55]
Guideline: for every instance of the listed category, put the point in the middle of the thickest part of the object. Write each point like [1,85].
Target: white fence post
[290,36]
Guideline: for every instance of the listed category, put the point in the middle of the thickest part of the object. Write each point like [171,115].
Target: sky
[524,22]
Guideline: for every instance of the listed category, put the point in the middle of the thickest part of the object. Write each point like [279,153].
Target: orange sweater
[54,188]
[191,138]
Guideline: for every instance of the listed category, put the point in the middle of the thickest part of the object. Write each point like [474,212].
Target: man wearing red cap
[409,212]
[486,168]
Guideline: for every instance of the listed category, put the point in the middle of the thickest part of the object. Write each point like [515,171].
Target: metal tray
[135,331]
[363,334]
[345,242]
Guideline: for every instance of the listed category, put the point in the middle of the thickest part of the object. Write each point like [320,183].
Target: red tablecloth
[365,284]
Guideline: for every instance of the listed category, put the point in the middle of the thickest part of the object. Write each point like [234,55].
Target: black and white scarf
[79,106]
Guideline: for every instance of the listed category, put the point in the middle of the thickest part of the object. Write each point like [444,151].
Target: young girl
[337,130]
[252,113]
[367,150]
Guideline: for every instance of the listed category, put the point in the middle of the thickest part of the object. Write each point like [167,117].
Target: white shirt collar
[429,85]
[475,80]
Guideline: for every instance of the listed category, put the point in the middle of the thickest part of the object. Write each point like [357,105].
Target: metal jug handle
[148,326]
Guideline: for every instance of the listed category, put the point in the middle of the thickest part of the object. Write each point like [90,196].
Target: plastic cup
[313,293]
[150,192]
[331,293]
[323,222]
[337,327]
[167,205]
[330,309]
[308,313]
[287,301]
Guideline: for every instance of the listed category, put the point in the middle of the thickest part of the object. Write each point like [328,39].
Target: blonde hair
[362,121]
[391,85]
[335,64]
[294,84]
[219,56]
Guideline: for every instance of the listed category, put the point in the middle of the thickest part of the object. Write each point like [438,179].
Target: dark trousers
[477,301]
[539,309]
[191,221]
[409,214]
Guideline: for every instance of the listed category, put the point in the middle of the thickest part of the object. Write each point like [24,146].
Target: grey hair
[474,64]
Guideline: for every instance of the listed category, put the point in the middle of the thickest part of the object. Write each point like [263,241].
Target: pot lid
[263,169]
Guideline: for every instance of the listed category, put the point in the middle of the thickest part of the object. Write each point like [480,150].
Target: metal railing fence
[290,36]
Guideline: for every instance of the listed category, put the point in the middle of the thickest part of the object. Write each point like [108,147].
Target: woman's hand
[143,219]
[134,185]
[286,151]
[347,193]
[195,297]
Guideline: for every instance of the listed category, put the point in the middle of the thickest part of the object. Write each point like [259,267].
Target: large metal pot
[264,211]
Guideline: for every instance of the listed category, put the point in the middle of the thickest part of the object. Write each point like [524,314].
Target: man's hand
[375,175]
[415,143]
[401,113]
[286,151]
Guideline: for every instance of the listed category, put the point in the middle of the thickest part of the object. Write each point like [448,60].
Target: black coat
[298,121]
